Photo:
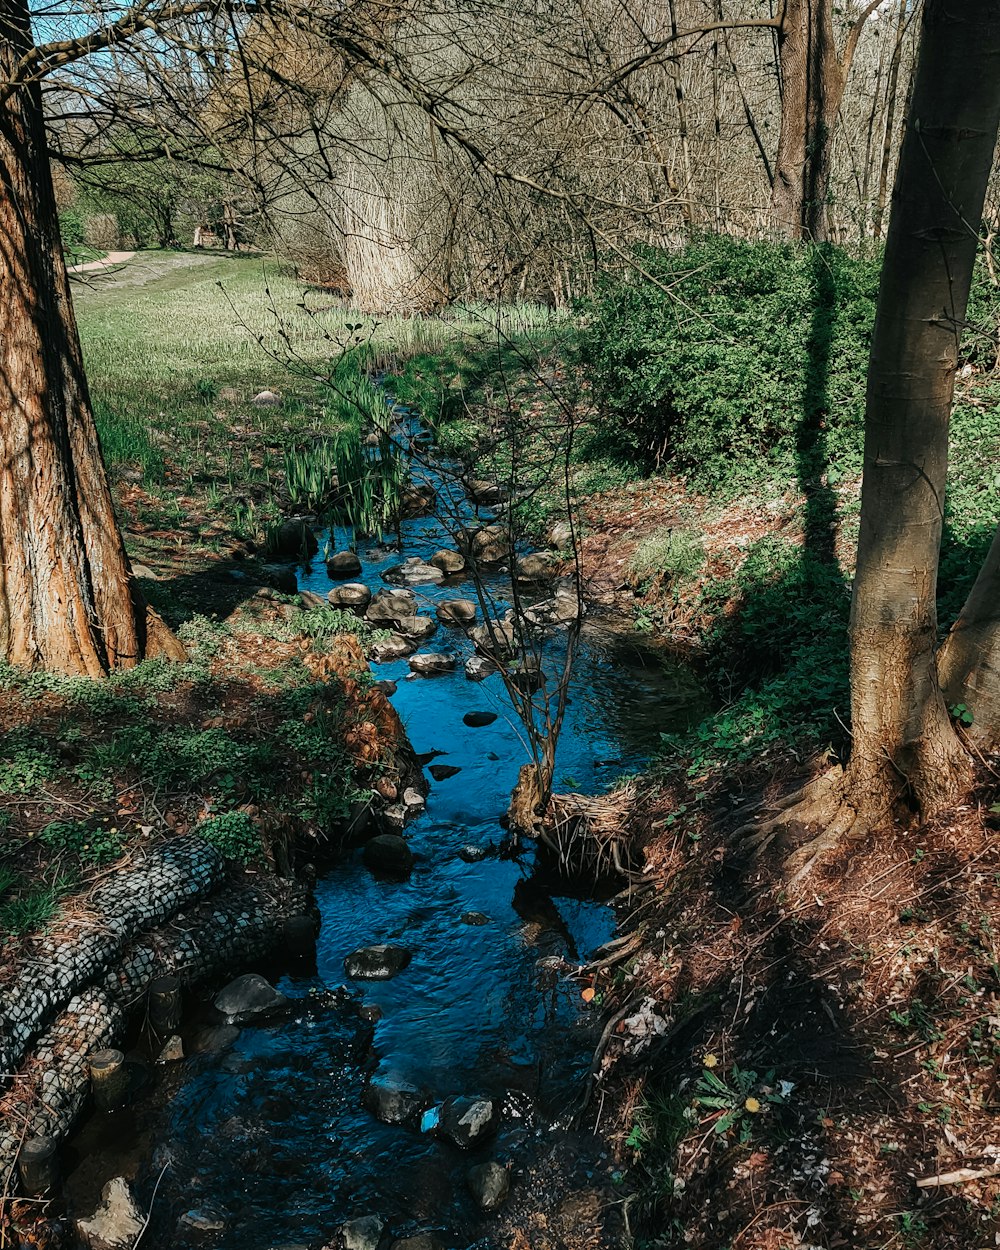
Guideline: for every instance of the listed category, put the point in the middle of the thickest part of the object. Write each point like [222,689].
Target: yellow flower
[710,1061]
[752,1105]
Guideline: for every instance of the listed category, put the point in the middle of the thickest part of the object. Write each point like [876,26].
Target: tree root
[817,800]
[614,953]
[824,801]
[845,824]
[161,641]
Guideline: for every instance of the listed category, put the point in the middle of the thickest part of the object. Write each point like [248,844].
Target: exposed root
[525,810]
[818,801]
[824,801]
[845,824]
[615,953]
[590,833]
[161,641]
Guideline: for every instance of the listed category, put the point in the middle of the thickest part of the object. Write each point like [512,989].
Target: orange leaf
[588,994]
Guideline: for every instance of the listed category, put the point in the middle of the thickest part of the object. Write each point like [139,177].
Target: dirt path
[111,276]
[106,262]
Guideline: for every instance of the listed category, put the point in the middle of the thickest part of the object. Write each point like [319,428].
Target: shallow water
[269,1134]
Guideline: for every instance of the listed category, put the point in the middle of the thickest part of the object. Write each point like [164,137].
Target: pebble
[363,1233]
[490,1184]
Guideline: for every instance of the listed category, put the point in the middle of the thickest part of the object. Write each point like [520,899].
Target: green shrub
[733,361]
[71,227]
[233,834]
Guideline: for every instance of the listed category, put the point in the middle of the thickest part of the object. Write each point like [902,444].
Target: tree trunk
[903,739]
[812,87]
[969,663]
[890,120]
[67,597]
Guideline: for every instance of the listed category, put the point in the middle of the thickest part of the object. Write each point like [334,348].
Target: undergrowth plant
[90,844]
[673,553]
[733,362]
[29,905]
[233,834]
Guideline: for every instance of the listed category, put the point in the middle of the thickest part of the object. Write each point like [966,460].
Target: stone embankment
[181,911]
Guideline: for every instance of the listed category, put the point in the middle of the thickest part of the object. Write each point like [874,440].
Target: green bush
[734,361]
[71,227]
[972,500]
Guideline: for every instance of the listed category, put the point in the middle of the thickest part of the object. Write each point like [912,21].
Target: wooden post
[108,1079]
[164,1005]
[38,1166]
[299,936]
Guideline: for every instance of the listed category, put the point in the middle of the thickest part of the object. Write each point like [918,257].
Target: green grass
[177,345]
[26,906]
[674,553]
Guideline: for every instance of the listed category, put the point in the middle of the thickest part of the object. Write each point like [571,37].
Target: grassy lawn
[177,345]
[176,348]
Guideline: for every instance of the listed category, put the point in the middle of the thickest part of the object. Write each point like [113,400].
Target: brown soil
[859,1014]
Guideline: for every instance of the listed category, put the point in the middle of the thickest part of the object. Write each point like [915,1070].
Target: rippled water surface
[268,1135]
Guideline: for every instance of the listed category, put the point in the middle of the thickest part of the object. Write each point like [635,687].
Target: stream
[259,1138]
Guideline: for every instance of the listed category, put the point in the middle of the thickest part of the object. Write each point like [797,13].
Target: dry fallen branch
[961,1176]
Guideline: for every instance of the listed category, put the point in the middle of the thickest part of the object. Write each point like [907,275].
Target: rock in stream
[388,853]
[376,963]
[250,997]
[490,1184]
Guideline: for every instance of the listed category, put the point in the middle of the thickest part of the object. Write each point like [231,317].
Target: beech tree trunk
[812,87]
[891,95]
[67,597]
[903,737]
[969,663]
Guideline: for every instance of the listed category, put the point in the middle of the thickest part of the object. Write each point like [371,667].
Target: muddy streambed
[259,1137]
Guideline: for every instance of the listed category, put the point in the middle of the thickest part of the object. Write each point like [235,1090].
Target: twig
[959,1177]
[152,1200]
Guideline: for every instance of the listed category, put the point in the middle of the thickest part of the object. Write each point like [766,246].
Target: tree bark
[812,87]
[969,663]
[903,738]
[67,597]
